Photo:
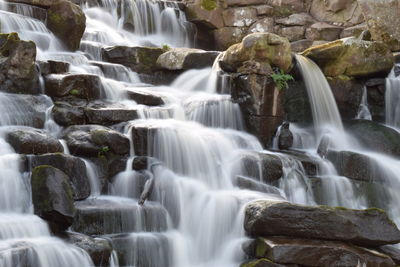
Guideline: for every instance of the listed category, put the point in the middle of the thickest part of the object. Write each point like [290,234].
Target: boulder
[68,22]
[352,57]
[323,31]
[306,252]
[99,249]
[239,17]
[85,86]
[104,113]
[144,97]
[371,227]
[52,197]
[72,166]
[264,10]
[139,59]
[293,33]
[26,140]
[261,47]
[383,18]
[18,73]
[53,67]
[269,165]
[285,138]
[345,13]
[67,114]
[376,137]
[95,140]
[186,58]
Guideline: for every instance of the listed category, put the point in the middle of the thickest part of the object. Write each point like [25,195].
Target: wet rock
[140,135]
[68,22]
[323,31]
[26,140]
[139,59]
[98,249]
[95,140]
[110,216]
[261,47]
[306,252]
[309,163]
[370,227]
[18,73]
[239,17]
[296,103]
[269,165]
[376,137]
[103,113]
[323,146]
[66,114]
[186,58]
[386,29]
[52,197]
[144,97]
[357,57]
[285,138]
[251,184]
[85,86]
[53,67]
[140,163]
[72,166]
[392,252]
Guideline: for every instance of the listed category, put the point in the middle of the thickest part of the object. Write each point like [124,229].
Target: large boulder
[371,227]
[139,59]
[85,86]
[52,197]
[95,140]
[306,252]
[383,18]
[265,48]
[74,167]
[26,140]
[186,58]
[68,22]
[18,73]
[376,137]
[352,57]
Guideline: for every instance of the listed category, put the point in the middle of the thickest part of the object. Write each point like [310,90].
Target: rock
[306,252]
[140,135]
[52,197]
[39,3]
[382,18]
[85,86]
[18,73]
[352,57]
[99,249]
[323,146]
[270,166]
[239,17]
[323,31]
[338,12]
[309,163]
[95,140]
[68,22]
[110,216]
[300,45]
[209,15]
[251,184]
[261,47]
[354,31]
[66,114]
[53,67]
[244,2]
[186,58]
[370,227]
[376,137]
[301,19]
[227,36]
[392,252]
[264,10]
[285,138]
[139,59]
[72,166]
[104,113]
[293,33]
[263,25]
[144,97]
[140,163]
[26,140]
[286,8]
[261,263]
[296,103]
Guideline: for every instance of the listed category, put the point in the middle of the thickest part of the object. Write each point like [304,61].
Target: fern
[281,79]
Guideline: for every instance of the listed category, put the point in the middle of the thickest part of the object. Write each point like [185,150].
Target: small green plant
[281,79]
[103,150]
[74,92]
[166,47]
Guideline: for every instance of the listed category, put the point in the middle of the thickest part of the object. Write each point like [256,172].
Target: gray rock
[186,58]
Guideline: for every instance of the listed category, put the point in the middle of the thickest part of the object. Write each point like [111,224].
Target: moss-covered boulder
[138,58]
[383,21]
[371,227]
[267,48]
[206,13]
[18,73]
[352,57]
[68,22]
[52,197]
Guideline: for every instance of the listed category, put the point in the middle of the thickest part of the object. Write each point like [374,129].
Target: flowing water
[194,214]
[392,99]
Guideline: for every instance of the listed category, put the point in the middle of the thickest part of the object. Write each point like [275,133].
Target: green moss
[39,189]
[74,92]
[209,4]
[7,42]
[261,248]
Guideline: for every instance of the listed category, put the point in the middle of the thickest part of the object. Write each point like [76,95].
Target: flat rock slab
[306,252]
[186,58]
[371,227]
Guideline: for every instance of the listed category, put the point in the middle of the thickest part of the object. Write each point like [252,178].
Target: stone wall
[303,22]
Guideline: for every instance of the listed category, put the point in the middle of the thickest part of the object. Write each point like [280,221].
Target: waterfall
[363,111]
[392,99]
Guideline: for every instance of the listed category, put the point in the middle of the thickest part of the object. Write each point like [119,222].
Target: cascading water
[392,98]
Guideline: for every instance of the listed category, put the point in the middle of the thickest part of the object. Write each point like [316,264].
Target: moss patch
[209,4]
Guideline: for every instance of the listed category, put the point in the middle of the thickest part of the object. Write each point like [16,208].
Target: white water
[392,100]
[363,111]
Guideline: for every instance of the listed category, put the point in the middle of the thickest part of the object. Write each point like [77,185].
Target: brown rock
[239,17]
[263,25]
[323,31]
[294,33]
[227,36]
